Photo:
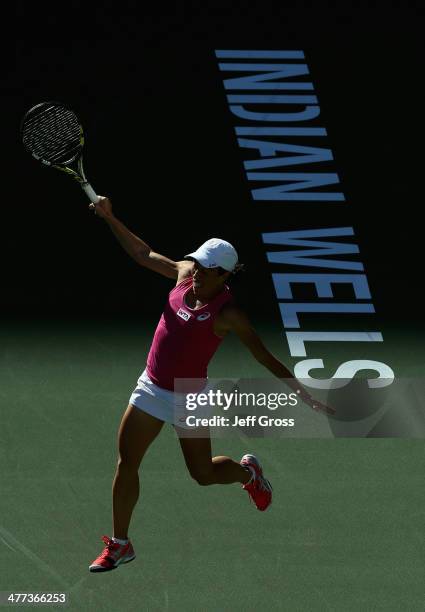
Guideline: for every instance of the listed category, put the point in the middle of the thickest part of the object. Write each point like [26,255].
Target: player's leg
[137,431]
[208,470]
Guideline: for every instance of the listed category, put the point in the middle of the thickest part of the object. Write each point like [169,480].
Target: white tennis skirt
[167,406]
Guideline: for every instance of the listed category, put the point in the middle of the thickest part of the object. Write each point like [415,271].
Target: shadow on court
[341,534]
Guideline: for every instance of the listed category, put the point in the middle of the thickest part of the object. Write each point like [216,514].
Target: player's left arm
[232,318]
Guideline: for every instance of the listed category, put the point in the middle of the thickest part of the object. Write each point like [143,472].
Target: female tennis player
[198,314]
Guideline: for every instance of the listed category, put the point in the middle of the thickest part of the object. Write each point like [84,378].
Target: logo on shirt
[204,316]
[183,314]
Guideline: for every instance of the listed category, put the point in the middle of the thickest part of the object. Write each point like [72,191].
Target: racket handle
[91,194]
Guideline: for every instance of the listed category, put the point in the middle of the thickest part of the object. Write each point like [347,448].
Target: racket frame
[78,174]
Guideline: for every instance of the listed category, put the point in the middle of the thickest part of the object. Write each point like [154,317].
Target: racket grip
[91,194]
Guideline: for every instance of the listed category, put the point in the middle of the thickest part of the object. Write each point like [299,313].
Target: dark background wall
[160,143]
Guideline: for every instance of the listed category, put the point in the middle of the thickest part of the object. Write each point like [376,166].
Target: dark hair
[238,268]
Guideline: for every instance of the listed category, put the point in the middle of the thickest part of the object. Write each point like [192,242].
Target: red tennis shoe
[259,488]
[112,556]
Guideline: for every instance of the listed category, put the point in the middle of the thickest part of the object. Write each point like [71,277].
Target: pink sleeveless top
[184,340]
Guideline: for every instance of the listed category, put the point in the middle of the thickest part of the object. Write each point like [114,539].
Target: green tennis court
[345,531]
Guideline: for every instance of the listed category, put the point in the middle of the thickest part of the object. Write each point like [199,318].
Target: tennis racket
[53,135]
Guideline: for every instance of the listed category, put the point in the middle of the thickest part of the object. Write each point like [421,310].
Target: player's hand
[315,404]
[102,208]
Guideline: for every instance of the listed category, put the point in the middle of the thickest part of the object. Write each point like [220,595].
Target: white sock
[252,472]
[118,541]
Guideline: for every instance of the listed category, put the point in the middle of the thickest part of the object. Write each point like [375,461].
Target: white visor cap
[216,253]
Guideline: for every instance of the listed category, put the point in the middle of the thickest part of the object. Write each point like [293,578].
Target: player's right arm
[135,246]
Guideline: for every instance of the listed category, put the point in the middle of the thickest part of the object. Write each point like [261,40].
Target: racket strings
[52,133]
